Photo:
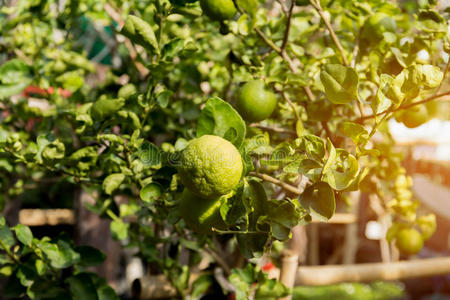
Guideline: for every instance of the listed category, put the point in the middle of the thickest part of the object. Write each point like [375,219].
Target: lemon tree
[178,117]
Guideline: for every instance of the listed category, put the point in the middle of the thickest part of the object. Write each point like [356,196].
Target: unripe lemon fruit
[218,10]
[409,241]
[255,103]
[210,166]
[200,214]
[415,116]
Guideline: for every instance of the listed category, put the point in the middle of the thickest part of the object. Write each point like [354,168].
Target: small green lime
[218,10]
[255,103]
[433,108]
[409,241]
[200,214]
[210,166]
[414,116]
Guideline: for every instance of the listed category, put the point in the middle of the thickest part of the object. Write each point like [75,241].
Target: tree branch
[274,129]
[318,7]
[288,26]
[278,50]
[275,181]
[285,97]
[406,106]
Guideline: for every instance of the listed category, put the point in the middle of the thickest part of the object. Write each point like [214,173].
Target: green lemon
[255,103]
[433,108]
[200,214]
[409,241]
[210,166]
[218,10]
[376,25]
[414,116]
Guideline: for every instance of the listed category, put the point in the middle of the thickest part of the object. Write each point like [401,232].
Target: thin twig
[273,129]
[286,98]
[282,6]
[318,7]
[268,41]
[220,261]
[288,26]
[278,50]
[405,106]
[275,181]
[143,71]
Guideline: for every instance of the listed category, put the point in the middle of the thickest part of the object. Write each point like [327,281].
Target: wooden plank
[339,218]
[45,217]
[325,275]
[436,197]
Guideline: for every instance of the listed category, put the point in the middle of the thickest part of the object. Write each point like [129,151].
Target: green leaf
[381,102]
[242,280]
[318,200]
[6,236]
[24,234]
[61,254]
[8,90]
[140,32]
[148,154]
[105,107]
[356,132]
[163,98]
[53,151]
[40,267]
[311,169]
[90,256]
[119,229]
[255,201]
[82,287]
[201,285]
[105,292]
[271,288]
[172,48]
[112,182]
[249,6]
[427,225]
[429,76]
[281,216]
[340,82]
[343,171]
[151,192]
[313,146]
[13,71]
[219,118]
[431,21]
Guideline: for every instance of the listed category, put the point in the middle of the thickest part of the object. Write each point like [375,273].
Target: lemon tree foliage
[211,118]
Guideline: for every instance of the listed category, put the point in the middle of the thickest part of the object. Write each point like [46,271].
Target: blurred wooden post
[289,265]
[385,222]
[294,253]
[351,232]
[326,275]
[314,244]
